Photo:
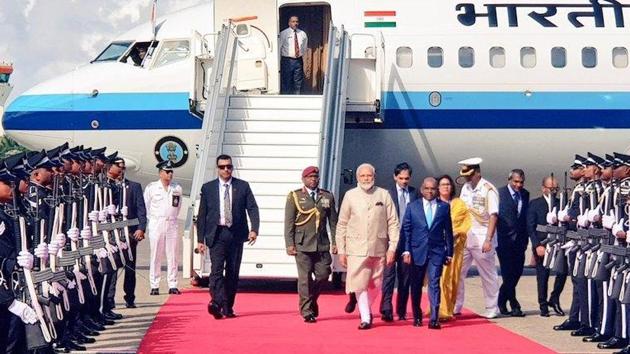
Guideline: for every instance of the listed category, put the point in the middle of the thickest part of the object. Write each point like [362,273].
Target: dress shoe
[417,322]
[555,305]
[91,324]
[613,343]
[544,311]
[434,325]
[111,315]
[310,319]
[516,312]
[595,338]
[625,350]
[387,317]
[583,332]
[365,325]
[230,314]
[174,291]
[567,326]
[504,311]
[402,317]
[490,314]
[351,305]
[81,339]
[155,291]
[130,305]
[87,331]
[70,345]
[215,310]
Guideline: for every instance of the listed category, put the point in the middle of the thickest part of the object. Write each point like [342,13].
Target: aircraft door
[256,26]
[202,68]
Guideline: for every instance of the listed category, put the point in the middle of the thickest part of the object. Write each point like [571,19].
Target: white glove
[618,227]
[124,211]
[86,234]
[72,284]
[80,276]
[111,248]
[111,209]
[608,221]
[102,215]
[568,245]
[58,287]
[53,249]
[41,251]
[563,215]
[25,260]
[93,216]
[73,234]
[552,216]
[100,253]
[594,216]
[23,311]
[60,239]
[582,220]
[122,245]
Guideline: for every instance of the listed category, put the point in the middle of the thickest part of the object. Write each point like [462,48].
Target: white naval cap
[468,166]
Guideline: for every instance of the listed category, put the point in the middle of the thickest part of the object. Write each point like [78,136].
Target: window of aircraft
[113,51]
[404,57]
[4,78]
[172,51]
[140,53]
[589,57]
[558,57]
[435,57]
[466,57]
[620,57]
[497,57]
[528,57]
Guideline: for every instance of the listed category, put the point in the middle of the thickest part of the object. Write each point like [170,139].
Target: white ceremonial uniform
[482,201]
[163,205]
[287,42]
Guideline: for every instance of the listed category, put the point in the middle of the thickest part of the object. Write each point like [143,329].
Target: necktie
[313,195]
[227,206]
[296,46]
[429,215]
[402,204]
[517,199]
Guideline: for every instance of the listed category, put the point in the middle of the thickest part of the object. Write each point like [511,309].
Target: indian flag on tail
[379,19]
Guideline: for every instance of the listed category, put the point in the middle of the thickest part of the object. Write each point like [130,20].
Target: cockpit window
[140,54]
[113,51]
[172,51]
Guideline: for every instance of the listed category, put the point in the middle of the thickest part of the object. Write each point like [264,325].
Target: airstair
[271,138]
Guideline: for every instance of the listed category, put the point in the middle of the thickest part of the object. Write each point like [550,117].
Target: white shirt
[482,201]
[160,202]
[222,187]
[429,204]
[287,42]
[548,200]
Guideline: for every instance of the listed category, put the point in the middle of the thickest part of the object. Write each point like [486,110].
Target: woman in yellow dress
[461,223]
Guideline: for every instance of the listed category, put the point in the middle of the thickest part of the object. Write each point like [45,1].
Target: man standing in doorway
[293,44]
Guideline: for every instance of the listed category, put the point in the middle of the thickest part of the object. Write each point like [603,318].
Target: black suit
[225,244]
[135,209]
[537,215]
[512,242]
[399,269]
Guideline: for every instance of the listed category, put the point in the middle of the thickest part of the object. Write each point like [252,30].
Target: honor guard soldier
[307,212]
[482,200]
[163,199]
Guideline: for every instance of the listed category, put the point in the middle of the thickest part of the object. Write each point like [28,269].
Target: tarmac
[125,336]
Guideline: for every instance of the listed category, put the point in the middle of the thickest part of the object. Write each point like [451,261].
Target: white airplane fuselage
[509,102]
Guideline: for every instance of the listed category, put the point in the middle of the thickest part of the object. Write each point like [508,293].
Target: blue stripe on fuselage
[401,110]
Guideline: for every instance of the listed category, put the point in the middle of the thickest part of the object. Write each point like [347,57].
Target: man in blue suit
[428,235]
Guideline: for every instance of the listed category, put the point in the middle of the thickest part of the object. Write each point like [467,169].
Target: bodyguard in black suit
[400,192]
[537,215]
[512,239]
[135,209]
[225,204]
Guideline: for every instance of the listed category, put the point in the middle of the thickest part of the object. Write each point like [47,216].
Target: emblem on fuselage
[173,149]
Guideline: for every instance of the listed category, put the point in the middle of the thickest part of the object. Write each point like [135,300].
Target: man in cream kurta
[367,235]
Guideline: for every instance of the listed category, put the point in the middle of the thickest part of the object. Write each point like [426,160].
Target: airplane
[522,84]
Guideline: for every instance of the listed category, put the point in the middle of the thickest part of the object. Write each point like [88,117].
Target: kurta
[367,229]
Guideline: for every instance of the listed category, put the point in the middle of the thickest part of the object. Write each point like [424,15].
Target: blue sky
[45,38]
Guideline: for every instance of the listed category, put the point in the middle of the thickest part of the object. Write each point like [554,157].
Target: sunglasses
[225,167]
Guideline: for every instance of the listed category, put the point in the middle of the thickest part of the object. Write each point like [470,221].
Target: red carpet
[270,323]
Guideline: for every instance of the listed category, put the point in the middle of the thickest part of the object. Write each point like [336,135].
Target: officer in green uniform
[306,213]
